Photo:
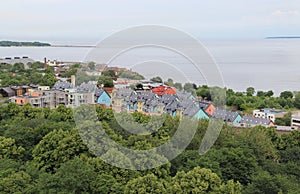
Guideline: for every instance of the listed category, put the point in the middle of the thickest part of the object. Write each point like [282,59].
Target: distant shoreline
[6,43]
[283,37]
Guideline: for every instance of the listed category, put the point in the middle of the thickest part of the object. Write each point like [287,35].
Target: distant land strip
[23,44]
[283,37]
[75,46]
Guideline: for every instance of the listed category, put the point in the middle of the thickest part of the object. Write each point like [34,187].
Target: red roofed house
[161,90]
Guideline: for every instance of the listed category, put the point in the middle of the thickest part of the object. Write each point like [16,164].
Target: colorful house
[103,97]
[161,90]
[196,112]
[19,100]
[208,107]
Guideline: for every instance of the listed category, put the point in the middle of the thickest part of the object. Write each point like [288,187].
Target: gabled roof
[181,95]
[144,96]
[204,105]
[99,92]
[191,110]
[9,91]
[172,106]
[62,85]
[161,90]
[186,103]
[86,88]
[133,97]
[255,121]
[166,98]
[124,93]
[225,115]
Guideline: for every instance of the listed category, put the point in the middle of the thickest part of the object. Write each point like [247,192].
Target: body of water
[266,64]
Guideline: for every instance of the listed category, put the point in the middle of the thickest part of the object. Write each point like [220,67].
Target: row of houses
[63,93]
[180,104]
[158,100]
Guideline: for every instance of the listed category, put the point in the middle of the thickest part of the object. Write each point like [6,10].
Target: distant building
[269,113]
[13,60]
[295,121]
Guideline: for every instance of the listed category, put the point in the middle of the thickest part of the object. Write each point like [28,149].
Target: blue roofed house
[103,97]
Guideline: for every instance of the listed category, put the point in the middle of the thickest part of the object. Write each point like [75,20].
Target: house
[253,121]
[172,107]
[208,107]
[18,90]
[269,113]
[227,116]
[161,90]
[19,100]
[142,98]
[7,92]
[181,95]
[120,99]
[295,121]
[196,112]
[155,106]
[103,97]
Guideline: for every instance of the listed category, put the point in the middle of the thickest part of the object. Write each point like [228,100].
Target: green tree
[56,148]
[297,100]
[8,148]
[157,79]
[147,184]
[286,94]
[198,180]
[250,91]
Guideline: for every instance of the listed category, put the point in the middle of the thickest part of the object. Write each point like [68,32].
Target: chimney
[45,63]
[73,80]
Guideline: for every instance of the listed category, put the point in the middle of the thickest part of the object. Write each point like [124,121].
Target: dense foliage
[41,151]
[16,75]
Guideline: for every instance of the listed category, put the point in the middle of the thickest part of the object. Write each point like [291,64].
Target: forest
[43,152]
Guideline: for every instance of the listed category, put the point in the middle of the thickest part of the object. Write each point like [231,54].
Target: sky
[56,20]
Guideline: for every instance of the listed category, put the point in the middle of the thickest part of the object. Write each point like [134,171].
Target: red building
[161,90]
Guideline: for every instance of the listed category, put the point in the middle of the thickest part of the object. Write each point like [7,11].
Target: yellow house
[140,106]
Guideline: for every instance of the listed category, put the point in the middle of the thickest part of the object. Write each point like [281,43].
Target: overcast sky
[95,19]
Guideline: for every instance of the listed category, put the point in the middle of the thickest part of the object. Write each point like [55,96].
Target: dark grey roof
[86,88]
[203,104]
[62,85]
[254,121]
[181,95]
[172,106]
[191,110]
[184,104]
[133,97]
[124,93]
[99,91]
[9,91]
[225,115]
[166,98]
[145,96]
